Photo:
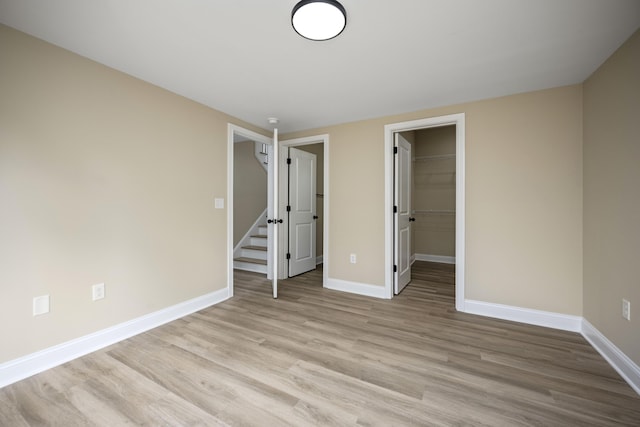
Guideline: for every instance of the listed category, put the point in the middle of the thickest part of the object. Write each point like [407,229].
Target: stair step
[251,260]
[250,264]
[258,252]
[258,240]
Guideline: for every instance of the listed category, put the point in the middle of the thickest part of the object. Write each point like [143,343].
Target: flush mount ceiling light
[318,19]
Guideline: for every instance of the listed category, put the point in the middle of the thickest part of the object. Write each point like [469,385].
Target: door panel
[302,215]
[402,223]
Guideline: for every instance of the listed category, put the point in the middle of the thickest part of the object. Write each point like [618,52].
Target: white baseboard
[24,367]
[627,369]
[356,288]
[319,260]
[548,319]
[436,258]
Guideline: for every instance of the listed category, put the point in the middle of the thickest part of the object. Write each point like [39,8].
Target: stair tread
[251,260]
[262,236]
[255,248]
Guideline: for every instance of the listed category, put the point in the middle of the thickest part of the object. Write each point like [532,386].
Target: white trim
[231,131]
[627,369]
[453,119]
[364,289]
[436,258]
[319,139]
[319,260]
[529,316]
[24,367]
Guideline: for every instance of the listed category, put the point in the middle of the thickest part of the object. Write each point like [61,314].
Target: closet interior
[434,194]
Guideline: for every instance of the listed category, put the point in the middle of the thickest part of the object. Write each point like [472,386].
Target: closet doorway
[317,146]
[433,194]
[436,197]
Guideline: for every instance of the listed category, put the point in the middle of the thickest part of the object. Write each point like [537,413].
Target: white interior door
[402,213]
[302,211]
[273,220]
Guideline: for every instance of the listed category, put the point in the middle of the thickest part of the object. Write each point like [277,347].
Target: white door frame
[253,136]
[453,119]
[316,139]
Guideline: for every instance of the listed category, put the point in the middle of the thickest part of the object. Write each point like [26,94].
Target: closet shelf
[434,157]
[435,212]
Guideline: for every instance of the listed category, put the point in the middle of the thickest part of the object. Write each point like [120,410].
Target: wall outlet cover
[97,291]
[626,309]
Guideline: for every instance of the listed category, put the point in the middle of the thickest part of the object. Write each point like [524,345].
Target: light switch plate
[219,203]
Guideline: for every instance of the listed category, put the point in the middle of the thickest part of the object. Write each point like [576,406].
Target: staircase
[251,254]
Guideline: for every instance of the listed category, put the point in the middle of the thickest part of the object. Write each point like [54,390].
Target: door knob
[315,217]
[411,219]
[274,221]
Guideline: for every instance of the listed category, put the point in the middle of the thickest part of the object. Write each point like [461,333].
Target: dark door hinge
[288,256]
[289,160]
[395,268]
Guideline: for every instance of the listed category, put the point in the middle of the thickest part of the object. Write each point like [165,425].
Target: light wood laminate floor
[321,357]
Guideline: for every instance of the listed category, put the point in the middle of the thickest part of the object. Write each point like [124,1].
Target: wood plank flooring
[321,357]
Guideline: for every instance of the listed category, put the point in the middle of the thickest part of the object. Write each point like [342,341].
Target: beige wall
[523,196]
[434,189]
[103,178]
[612,197]
[249,189]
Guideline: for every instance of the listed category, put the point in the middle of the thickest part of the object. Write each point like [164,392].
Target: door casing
[389,130]
[233,130]
[316,139]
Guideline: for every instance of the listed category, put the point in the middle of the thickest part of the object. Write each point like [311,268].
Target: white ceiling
[242,56]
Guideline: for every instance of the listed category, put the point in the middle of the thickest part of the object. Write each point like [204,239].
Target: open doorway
[427,234]
[250,192]
[433,201]
[316,147]
[440,209]
[277,190]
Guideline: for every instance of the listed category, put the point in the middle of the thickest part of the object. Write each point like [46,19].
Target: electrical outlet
[626,309]
[352,258]
[40,305]
[97,291]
